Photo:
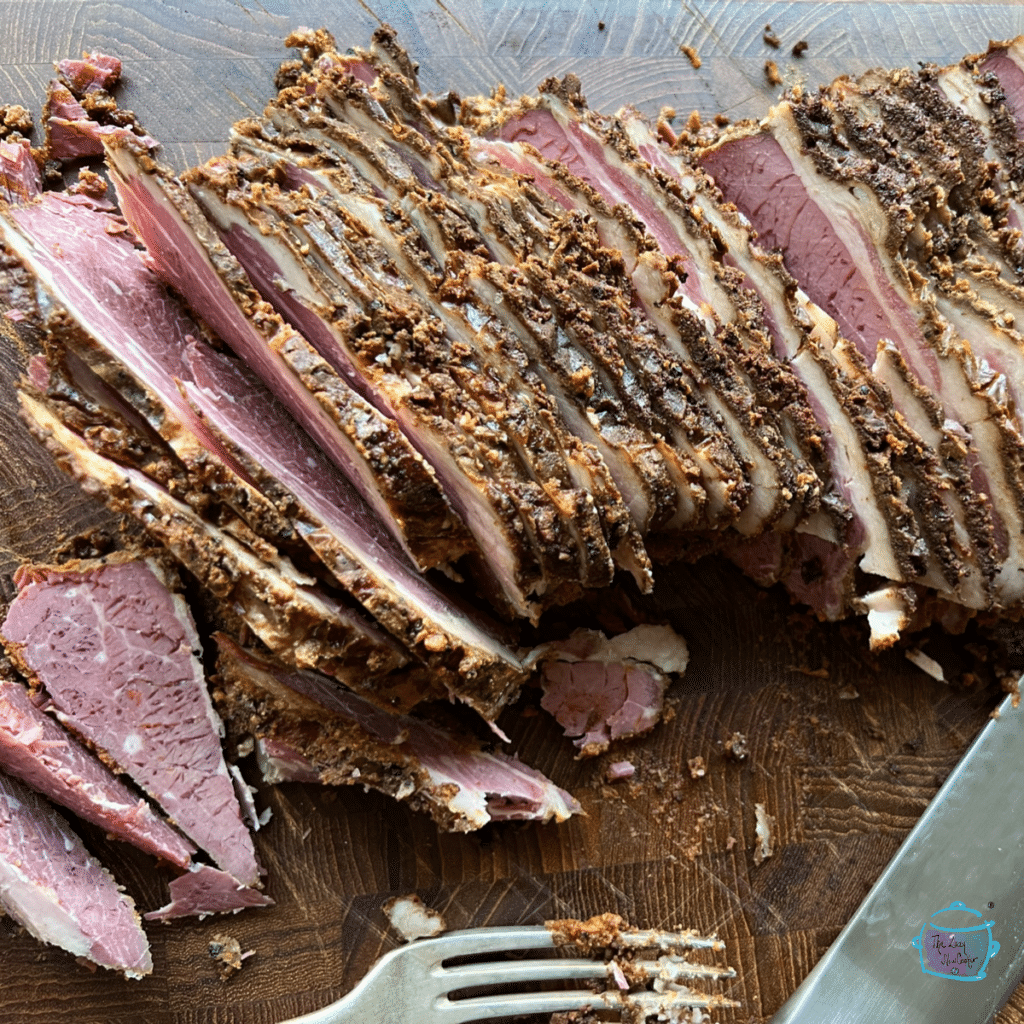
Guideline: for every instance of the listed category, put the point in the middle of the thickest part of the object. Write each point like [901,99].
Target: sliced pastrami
[369,449]
[52,887]
[296,620]
[204,891]
[834,240]
[205,405]
[117,653]
[888,490]
[35,749]
[601,690]
[679,405]
[309,727]
[496,302]
[372,330]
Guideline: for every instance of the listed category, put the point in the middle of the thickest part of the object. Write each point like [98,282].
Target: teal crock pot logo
[953,945]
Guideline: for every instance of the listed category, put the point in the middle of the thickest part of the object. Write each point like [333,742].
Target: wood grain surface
[846,749]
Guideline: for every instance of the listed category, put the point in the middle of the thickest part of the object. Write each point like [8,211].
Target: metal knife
[956,885]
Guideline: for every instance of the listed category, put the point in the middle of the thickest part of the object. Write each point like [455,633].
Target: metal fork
[411,985]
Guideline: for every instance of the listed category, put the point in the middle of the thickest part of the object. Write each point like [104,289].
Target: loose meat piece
[204,891]
[36,750]
[19,174]
[94,71]
[310,729]
[72,134]
[52,887]
[118,655]
[602,690]
[364,445]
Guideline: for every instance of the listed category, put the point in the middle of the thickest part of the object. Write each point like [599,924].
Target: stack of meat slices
[430,366]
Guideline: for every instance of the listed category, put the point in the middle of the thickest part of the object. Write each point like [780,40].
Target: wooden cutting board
[845,749]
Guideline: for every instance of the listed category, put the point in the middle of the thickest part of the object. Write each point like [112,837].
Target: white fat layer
[925,664]
[887,615]
[412,919]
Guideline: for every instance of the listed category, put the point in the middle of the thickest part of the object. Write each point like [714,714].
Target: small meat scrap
[55,890]
[601,689]
[14,118]
[698,768]
[618,770]
[203,891]
[227,952]
[736,747]
[770,38]
[800,48]
[93,72]
[772,73]
[118,654]
[763,849]
[413,919]
[691,55]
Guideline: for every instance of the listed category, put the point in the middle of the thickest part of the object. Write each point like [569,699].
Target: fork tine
[473,941]
[498,973]
[668,941]
[677,969]
[488,1007]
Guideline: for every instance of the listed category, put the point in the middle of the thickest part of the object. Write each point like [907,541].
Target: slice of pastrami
[204,891]
[309,729]
[117,653]
[602,690]
[38,751]
[52,887]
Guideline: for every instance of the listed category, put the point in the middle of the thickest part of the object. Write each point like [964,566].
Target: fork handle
[361,1004]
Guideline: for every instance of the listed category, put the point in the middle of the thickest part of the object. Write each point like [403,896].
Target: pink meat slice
[205,890]
[20,179]
[52,887]
[72,134]
[117,654]
[93,72]
[602,690]
[36,750]
[476,785]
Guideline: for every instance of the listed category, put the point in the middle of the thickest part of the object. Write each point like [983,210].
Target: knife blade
[966,853]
